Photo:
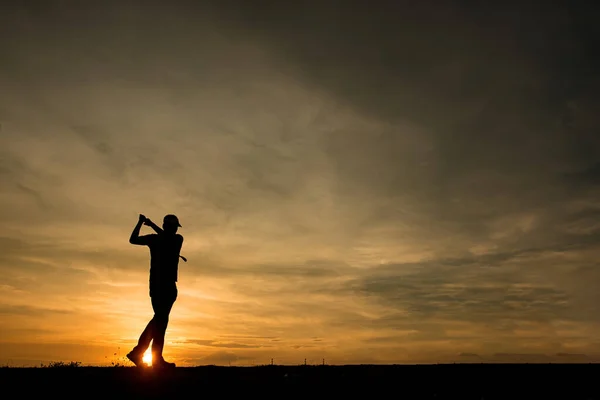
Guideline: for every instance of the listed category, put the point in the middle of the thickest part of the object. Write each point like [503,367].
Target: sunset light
[148,357]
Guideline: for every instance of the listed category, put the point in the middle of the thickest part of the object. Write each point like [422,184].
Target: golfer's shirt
[164,259]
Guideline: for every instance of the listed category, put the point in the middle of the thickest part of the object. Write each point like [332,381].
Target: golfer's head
[171,223]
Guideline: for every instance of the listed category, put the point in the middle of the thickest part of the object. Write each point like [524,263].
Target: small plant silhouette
[61,364]
[117,360]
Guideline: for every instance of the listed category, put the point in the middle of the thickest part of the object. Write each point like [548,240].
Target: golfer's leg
[161,322]
[145,337]
[144,340]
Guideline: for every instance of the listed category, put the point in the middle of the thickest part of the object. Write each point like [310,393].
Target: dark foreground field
[459,381]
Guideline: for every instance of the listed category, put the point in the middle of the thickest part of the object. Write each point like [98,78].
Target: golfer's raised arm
[135,235]
[152,225]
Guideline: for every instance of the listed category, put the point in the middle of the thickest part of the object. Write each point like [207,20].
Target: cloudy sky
[375,182]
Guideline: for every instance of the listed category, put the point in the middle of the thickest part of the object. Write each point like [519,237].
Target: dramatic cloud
[386,183]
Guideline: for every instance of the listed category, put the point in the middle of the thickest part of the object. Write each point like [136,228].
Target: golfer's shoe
[136,358]
[162,364]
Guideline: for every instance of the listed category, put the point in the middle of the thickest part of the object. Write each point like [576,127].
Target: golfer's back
[164,259]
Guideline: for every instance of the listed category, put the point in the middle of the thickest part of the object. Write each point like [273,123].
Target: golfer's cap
[171,219]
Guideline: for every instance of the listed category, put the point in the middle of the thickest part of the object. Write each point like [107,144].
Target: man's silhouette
[165,246]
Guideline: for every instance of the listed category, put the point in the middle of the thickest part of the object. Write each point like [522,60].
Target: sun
[147,358]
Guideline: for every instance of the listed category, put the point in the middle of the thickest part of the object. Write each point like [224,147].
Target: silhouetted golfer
[165,246]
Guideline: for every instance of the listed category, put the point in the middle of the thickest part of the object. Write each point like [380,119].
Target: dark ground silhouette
[460,381]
